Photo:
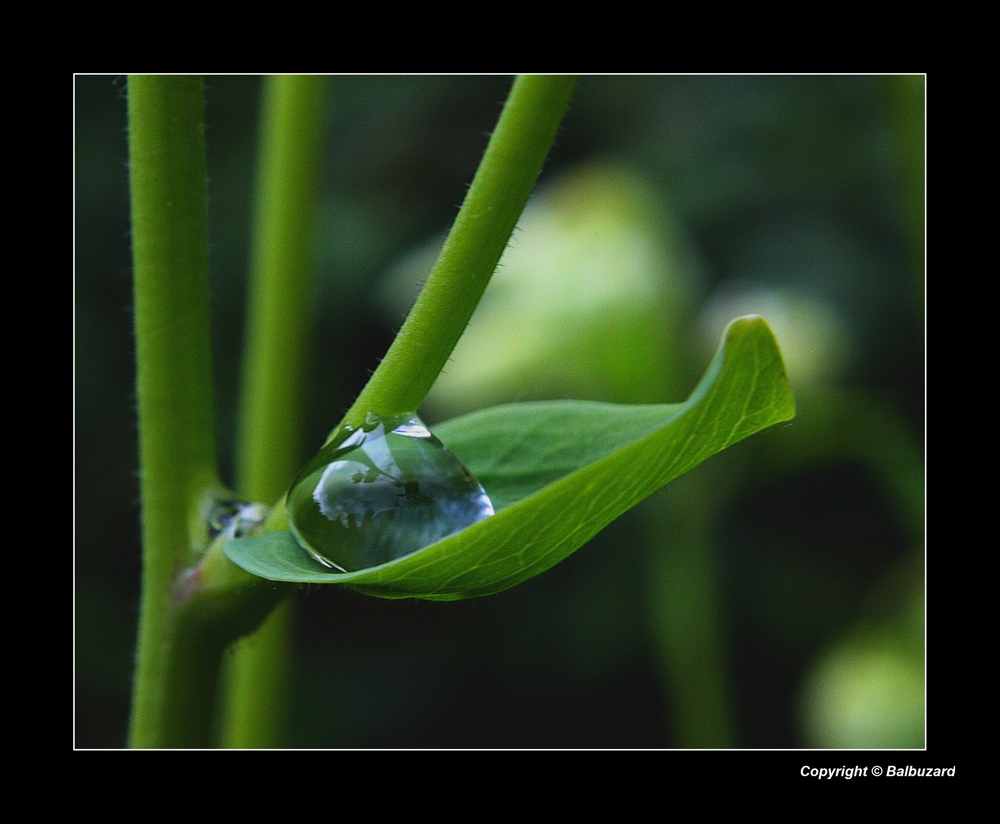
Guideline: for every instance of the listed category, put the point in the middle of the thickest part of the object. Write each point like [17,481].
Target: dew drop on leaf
[383,491]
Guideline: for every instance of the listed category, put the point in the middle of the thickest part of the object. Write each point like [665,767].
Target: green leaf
[558,472]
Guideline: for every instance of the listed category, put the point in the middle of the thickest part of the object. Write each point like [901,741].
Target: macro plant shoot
[458,393]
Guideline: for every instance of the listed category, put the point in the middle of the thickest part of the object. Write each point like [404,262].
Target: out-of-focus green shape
[866,691]
[558,473]
[867,694]
[907,93]
[585,302]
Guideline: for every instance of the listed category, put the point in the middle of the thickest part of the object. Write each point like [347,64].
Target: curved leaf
[558,472]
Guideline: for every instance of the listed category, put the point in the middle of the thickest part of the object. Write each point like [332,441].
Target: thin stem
[279,319]
[492,207]
[256,684]
[279,327]
[685,611]
[174,384]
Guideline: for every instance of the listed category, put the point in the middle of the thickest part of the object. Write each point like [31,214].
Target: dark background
[801,192]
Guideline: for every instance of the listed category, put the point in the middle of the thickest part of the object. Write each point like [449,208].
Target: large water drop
[384,491]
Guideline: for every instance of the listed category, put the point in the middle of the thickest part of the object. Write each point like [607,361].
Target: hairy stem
[174,384]
[495,200]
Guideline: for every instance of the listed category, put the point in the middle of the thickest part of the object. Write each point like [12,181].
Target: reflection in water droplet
[382,492]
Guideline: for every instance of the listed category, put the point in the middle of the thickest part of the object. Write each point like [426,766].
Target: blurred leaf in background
[587,301]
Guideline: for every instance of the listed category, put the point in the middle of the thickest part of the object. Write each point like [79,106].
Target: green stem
[279,314]
[256,684]
[685,606]
[492,207]
[282,294]
[176,428]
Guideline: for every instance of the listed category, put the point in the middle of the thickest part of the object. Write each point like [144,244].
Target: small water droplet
[237,519]
[383,491]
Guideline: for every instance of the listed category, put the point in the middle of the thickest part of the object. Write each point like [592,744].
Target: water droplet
[237,519]
[383,491]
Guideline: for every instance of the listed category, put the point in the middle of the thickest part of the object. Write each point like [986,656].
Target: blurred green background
[773,598]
